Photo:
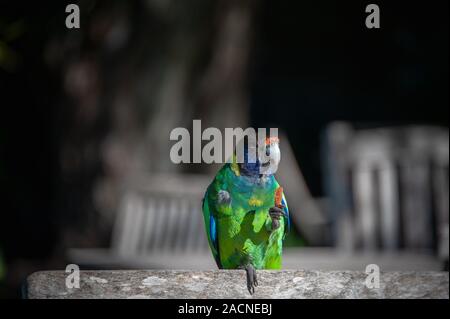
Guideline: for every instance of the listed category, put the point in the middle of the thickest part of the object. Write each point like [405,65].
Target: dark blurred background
[87,111]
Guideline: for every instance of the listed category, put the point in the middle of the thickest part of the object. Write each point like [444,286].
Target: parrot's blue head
[264,162]
[251,165]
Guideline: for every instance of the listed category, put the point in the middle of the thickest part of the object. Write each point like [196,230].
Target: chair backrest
[161,214]
[388,187]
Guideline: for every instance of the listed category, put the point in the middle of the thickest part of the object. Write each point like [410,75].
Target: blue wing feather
[210,222]
[287,229]
[213,230]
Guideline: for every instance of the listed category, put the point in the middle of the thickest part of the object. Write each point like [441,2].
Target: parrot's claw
[252,281]
[276,213]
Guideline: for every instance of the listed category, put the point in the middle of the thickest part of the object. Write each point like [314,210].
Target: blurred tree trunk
[133,72]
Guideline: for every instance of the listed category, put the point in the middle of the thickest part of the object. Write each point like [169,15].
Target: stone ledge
[232,284]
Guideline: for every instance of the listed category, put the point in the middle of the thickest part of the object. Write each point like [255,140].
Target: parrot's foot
[252,281]
[276,213]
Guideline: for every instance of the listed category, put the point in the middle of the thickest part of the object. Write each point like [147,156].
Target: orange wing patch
[279,197]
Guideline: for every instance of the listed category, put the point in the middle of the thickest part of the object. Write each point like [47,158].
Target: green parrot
[246,214]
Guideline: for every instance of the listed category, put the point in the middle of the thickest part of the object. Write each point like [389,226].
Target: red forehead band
[272,140]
